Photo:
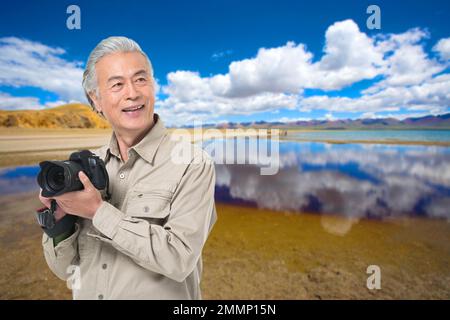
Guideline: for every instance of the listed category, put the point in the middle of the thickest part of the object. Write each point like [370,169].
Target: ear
[95,101]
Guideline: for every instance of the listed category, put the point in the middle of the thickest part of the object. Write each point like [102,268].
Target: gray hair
[105,47]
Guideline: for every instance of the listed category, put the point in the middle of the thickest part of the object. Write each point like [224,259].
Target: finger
[45,201]
[85,181]
[40,195]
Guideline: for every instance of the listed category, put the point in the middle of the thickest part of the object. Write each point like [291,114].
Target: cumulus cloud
[28,63]
[8,102]
[191,97]
[443,48]
[432,96]
[405,78]
[350,56]
[406,62]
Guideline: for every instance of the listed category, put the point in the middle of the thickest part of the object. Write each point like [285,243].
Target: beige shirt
[146,241]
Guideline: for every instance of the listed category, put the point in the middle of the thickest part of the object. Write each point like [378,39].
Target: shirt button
[104,266]
[100,297]
[122,175]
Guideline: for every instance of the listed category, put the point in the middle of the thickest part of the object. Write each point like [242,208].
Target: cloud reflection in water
[352,180]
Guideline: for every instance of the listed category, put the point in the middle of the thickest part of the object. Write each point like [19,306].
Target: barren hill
[74,115]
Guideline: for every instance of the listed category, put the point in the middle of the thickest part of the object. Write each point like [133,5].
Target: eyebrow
[140,72]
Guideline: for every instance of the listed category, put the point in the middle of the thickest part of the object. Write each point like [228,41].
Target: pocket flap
[154,204]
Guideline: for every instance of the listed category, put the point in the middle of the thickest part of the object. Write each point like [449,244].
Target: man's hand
[83,203]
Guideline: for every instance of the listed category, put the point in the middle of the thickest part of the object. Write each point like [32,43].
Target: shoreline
[386,142]
[22,146]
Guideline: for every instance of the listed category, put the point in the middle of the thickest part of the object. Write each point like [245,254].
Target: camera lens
[55,178]
[59,177]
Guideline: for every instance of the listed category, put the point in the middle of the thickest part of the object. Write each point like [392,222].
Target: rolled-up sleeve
[62,256]
[171,249]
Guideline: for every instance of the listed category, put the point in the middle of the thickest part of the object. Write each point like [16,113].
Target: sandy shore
[262,254]
[30,146]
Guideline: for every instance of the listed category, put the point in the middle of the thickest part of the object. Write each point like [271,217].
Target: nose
[132,93]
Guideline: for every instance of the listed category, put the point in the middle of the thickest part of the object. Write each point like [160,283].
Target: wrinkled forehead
[121,64]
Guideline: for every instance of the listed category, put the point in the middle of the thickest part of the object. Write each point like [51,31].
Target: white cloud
[28,63]
[220,54]
[329,116]
[432,96]
[8,102]
[285,69]
[392,41]
[350,56]
[409,65]
[279,75]
[275,78]
[288,119]
[191,97]
[443,48]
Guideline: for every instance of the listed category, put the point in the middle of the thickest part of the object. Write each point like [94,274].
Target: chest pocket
[150,205]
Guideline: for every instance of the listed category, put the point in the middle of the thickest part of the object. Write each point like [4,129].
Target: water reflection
[18,179]
[353,180]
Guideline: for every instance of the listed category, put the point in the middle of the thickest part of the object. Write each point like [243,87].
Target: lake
[374,135]
[353,180]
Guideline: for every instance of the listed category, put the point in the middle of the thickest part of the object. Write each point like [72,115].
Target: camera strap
[46,216]
[53,207]
[47,221]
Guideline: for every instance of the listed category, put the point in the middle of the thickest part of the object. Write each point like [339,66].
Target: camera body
[58,177]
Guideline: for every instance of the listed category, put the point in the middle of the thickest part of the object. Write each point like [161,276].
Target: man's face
[125,91]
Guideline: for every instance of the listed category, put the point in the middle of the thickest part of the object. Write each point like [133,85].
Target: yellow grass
[73,115]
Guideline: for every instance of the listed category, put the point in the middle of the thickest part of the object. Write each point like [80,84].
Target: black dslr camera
[58,177]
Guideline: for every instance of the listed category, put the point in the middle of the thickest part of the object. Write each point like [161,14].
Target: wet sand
[262,254]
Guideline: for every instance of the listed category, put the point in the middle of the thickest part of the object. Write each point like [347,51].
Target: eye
[117,85]
[141,80]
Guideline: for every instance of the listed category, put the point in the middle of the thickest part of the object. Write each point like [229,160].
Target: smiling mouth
[132,109]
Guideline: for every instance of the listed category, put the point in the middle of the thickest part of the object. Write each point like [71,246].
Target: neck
[127,139]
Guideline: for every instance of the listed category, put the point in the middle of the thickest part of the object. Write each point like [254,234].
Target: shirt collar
[147,147]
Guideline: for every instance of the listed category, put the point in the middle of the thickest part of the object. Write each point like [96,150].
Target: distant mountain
[73,115]
[426,122]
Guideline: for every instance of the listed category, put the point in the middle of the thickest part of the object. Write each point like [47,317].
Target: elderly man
[146,241]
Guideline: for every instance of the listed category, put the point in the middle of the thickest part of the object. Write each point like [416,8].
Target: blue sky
[240,61]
